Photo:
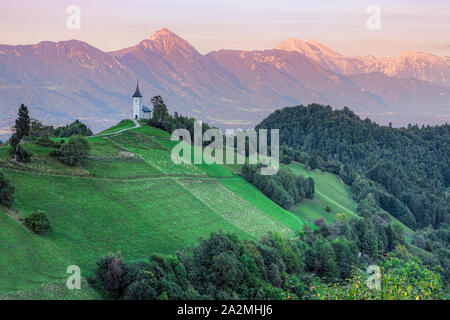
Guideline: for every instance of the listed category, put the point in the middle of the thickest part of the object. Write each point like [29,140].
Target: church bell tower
[137,103]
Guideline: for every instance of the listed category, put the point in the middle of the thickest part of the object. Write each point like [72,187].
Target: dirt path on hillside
[136,125]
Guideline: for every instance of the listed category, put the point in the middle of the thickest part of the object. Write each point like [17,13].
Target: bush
[38,223]
[6,192]
[110,277]
[72,153]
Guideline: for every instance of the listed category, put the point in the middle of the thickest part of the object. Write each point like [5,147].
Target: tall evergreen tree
[22,125]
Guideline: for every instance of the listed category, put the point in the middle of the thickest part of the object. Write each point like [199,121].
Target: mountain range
[67,80]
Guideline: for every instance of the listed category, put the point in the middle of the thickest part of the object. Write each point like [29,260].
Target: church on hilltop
[139,110]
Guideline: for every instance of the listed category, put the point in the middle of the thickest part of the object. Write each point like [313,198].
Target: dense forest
[404,171]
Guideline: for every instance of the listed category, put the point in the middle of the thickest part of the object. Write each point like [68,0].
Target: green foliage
[72,152]
[284,188]
[22,126]
[398,280]
[6,192]
[160,118]
[75,128]
[37,129]
[221,267]
[38,222]
[405,169]
[109,276]
[163,120]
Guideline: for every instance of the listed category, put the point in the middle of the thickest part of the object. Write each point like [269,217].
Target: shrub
[38,223]
[6,192]
[72,153]
[110,277]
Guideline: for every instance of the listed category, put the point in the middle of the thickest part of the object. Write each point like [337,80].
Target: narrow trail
[136,125]
[138,178]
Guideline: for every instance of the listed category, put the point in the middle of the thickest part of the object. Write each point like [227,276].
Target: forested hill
[407,169]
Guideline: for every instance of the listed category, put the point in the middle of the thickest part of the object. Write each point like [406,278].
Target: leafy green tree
[161,118]
[73,152]
[110,276]
[6,192]
[75,128]
[346,256]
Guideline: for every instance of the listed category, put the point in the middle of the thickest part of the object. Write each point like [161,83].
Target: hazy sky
[230,24]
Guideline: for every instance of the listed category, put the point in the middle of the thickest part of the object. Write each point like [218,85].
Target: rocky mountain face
[70,80]
[408,64]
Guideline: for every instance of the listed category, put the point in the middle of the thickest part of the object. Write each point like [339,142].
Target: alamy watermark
[74,20]
[238,144]
[374,280]
[374,20]
[74,280]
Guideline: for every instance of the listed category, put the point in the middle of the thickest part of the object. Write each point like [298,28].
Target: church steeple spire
[137,93]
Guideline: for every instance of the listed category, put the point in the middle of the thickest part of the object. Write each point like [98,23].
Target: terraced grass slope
[332,192]
[329,191]
[128,198]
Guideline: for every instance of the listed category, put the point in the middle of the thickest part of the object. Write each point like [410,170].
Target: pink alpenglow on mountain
[62,81]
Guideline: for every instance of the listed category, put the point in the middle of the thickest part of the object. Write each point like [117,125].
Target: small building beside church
[139,110]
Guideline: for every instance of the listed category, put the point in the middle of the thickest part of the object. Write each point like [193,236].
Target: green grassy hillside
[128,198]
[330,191]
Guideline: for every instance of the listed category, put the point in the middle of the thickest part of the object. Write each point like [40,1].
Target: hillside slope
[126,198]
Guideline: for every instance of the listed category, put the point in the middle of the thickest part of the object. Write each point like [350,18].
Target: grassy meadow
[127,197]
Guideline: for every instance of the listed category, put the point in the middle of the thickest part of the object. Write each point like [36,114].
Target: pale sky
[235,24]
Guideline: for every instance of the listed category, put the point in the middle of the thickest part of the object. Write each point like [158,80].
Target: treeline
[37,129]
[225,267]
[283,188]
[163,120]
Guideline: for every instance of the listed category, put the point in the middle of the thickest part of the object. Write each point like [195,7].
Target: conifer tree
[22,125]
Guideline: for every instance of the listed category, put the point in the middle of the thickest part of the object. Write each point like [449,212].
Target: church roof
[145,109]
[137,93]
